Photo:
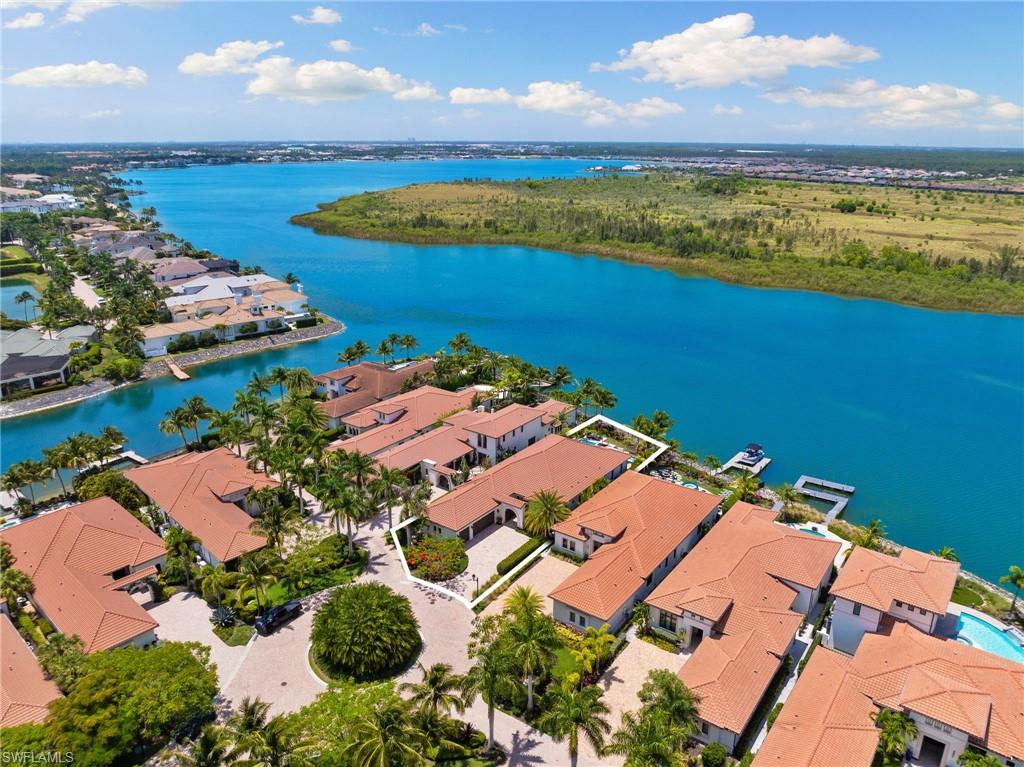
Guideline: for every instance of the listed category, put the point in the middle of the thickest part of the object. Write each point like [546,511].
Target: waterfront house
[507,431]
[739,599]
[167,270]
[959,697]
[352,388]
[630,534]
[873,588]
[500,494]
[83,561]
[251,291]
[230,325]
[30,360]
[25,692]
[208,495]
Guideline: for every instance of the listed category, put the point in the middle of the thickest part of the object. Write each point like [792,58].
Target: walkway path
[84,292]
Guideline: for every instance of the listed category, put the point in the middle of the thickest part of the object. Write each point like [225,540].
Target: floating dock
[737,462]
[839,502]
[180,374]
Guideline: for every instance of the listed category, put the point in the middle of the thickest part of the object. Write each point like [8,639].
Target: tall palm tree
[279,743]
[648,739]
[666,692]
[215,583]
[360,350]
[440,690]
[897,730]
[871,536]
[459,343]
[361,468]
[1015,578]
[490,676]
[57,459]
[175,422]
[250,718]
[599,642]
[523,600]
[344,503]
[388,486]
[746,486]
[197,411]
[14,584]
[532,642]
[34,472]
[787,494]
[384,348]
[386,738]
[258,385]
[712,462]
[414,504]
[255,573]
[180,543]
[544,510]
[299,380]
[278,375]
[570,712]
[245,404]
[408,342]
[275,520]
[24,297]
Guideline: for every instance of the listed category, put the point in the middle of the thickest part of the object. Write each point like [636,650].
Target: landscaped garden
[437,559]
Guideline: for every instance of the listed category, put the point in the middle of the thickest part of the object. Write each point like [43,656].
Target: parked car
[278,616]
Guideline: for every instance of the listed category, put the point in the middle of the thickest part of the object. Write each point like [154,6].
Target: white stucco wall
[847,628]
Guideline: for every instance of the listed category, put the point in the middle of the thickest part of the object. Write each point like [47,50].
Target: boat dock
[751,460]
[839,502]
[180,374]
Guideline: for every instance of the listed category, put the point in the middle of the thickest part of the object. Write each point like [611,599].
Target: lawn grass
[565,664]
[976,596]
[15,255]
[236,636]
[770,234]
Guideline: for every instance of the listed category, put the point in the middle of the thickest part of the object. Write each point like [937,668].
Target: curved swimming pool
[980,633]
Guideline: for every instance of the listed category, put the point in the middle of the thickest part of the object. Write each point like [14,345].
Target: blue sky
[941,74]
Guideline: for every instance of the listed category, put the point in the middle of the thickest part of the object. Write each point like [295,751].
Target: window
[583,621]
[704,729]
[572,616]
[899,603]
[922,610]
[481,440]
[856,609]
[570,544]
[649,579]
[667,621]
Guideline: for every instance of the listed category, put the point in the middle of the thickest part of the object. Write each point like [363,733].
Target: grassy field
[940,249]
[17,264]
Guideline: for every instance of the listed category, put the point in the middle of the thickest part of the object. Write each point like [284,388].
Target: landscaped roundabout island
[364,632]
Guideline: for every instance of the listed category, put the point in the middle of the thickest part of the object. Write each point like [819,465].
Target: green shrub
[517,556]
[305,322]
[207,338]
[183,343]
[365,631]
[773,715]
[113,484]
[713,755]
[247,328]
[434,558]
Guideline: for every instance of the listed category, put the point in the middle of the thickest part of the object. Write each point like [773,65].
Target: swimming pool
[980,633]
[812,531]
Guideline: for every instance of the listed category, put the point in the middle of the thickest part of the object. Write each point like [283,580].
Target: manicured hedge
[519,555]
[305,322]
[8,270]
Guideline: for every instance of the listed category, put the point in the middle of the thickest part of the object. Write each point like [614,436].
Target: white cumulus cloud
[28,21]
[319,15]
[425,30]
[324,80]
[723,110]
[1006,110]
[229,58]
[78,10]
[102,114]
[341,46]
[723,51]
[479,96]
[90,74]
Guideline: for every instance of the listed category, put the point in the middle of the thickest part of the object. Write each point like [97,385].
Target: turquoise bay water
[922,411]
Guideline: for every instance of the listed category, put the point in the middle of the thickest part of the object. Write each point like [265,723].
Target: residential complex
[208,495]
[25,692]
[352,388]
[31,360]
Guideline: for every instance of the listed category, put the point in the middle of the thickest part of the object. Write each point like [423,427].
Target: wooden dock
[737,463]
[180,374]
[839,502]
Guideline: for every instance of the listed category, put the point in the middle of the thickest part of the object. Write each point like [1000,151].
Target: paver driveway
[542,577]
[186,618]
[622,680]
[484,554]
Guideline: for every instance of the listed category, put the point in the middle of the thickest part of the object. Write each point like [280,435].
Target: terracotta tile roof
[443,445]
[649,518]
[70,554]
[423,407]
[906,670]
[555,463]
[373,441]
[730,675]
[506,420]
[25,691]
[551,409]
[189,488]
[367,382]
[825,722]
[876,580]
[361,418]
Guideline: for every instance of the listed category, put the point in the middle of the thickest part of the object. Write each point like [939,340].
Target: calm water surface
[11,288]
[922,411]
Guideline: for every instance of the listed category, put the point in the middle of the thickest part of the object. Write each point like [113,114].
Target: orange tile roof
[904,670]
[730,675]
[506,420]
[555,463]
[649,518]
[189,488]
[423,407]
[551,409]
[443,445]
[825,722]
[367,383]
[373,441]
[876,580]
[25,691]
[70,554]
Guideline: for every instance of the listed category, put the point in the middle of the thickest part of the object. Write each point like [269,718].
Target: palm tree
[946,552]
[245,404]
[13,479]
[600,643]
[604,399]
[570,711]
[344,503]
[211,749]
[250,718]
[439,691]
[175,422]
[871,537]
[180,543]
[712,462]
[787,494]
[544,510]
[386,738]
[258,385]
[214,583]
[666,692]
[57,459]
[532,642]
[255,573]
[414,504]
[648,739]
[24,297]
[290,278]
[384,348]
[524,600]
[275,520]
[279,743]
[387,487]
[277,376]
[408,342]
[459,343]
[33,471]
[299,380]
[361,468]
[746,487]
[897,730]
[489,677]
[1015,578]
[360,350]
[14,584]
[197,410]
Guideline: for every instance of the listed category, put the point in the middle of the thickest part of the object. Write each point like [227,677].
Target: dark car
[278,616]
